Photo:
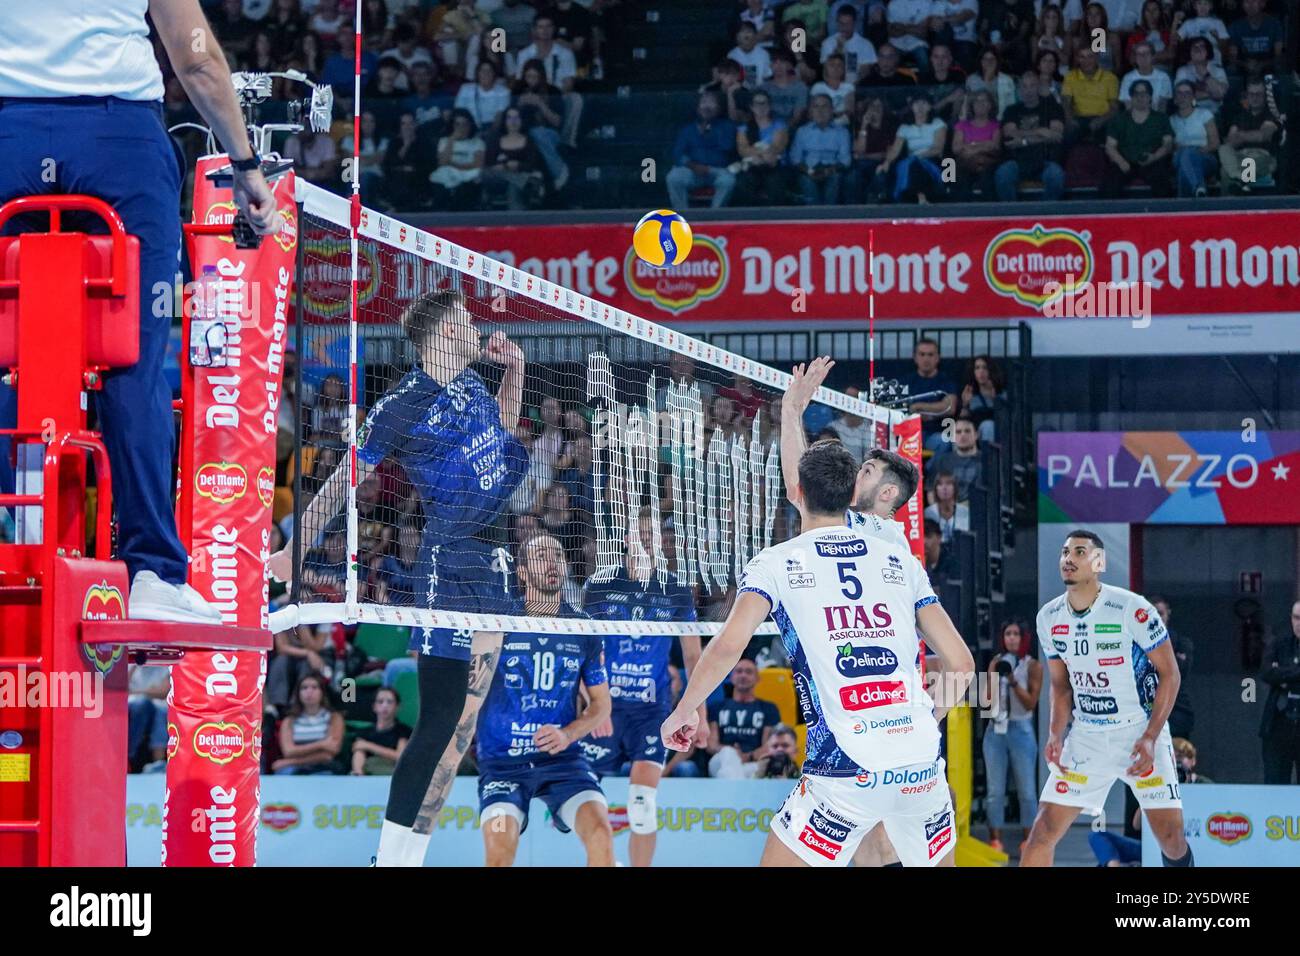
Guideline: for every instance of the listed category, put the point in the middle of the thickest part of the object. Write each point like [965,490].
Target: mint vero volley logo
[869,661]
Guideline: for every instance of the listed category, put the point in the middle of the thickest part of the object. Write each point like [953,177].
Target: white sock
[401,846]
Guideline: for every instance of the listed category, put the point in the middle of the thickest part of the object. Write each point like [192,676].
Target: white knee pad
[642,816]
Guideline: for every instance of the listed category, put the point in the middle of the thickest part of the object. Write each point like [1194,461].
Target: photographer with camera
[781,760]
[1009,739]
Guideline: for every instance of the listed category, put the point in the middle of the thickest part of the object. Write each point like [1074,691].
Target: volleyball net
[645,453]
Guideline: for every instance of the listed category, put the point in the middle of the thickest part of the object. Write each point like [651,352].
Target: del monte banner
[1191,264]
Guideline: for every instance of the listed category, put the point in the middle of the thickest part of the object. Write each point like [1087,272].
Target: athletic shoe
[153,599]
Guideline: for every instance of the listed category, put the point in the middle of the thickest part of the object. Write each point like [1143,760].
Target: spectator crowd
[929,100]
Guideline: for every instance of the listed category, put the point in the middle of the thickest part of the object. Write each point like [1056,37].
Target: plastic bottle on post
[207,327]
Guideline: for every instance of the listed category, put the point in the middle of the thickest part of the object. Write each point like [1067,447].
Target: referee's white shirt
[77,48]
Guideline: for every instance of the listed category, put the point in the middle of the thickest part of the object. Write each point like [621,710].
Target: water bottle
[207,328]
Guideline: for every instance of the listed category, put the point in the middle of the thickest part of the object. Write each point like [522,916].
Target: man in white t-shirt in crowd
[753,59]
[1144,59]
[845,604]
[858,52]
[561,71]
[910,24]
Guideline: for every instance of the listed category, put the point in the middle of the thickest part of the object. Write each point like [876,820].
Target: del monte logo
[266,485]
[219,742]
[222,482]
[1032,265]
[677,289]
[1228,828]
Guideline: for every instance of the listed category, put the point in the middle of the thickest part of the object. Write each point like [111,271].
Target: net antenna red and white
[627,416]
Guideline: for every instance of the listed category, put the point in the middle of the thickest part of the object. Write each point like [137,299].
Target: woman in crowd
[1152,28]
[1009,738]
[1208,79]
[486,98]
[406,165]
[376,749]
[761,143]
[876,132]
[918,177]
[1050,33]
[983,394]
[312,735]
[542,107]
[990,77]
[946,511]
[977,146]
[514,164]
[456,181]
[1096,18]
[1048,68]
[1196,142]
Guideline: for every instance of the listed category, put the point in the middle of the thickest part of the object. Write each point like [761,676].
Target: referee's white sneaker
[153,599]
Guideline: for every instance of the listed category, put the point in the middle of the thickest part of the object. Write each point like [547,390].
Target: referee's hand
[256,201]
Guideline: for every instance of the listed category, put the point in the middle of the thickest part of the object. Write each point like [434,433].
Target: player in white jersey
[885,482]
[1113,671]
[845,605]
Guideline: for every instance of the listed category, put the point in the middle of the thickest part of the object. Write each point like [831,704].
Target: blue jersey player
[639,682]
[530,724]
[456,444]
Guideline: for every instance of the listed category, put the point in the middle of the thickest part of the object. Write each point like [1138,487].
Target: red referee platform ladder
[69,310]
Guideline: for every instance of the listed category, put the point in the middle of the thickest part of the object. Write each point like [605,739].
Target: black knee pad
[443,686]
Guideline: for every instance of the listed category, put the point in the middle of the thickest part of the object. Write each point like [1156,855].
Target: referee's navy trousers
[119,151]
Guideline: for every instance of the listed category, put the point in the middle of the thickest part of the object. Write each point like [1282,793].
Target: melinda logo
[222,483]
[677,289]
[220,743]
[1228,828]
[1031,265]
[266,485]
[865,661]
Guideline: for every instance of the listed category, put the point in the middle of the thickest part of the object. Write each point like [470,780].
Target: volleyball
[662,238]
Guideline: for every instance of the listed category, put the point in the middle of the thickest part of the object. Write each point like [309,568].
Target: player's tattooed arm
[807,379]
[481,668]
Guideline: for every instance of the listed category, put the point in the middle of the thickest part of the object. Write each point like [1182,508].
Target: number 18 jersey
[846,607]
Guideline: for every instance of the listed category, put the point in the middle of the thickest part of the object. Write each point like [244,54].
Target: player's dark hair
[827,472]
[1089,535]
[423,316]
[897,471]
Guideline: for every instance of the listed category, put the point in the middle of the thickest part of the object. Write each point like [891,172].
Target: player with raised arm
[845,613]
[639,682]
[529,728]
[1112,664]
[456,444]
[886,482]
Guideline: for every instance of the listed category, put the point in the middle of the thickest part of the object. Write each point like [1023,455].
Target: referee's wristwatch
[247,165]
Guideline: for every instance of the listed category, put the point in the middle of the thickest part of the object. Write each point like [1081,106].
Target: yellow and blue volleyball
[662,238]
